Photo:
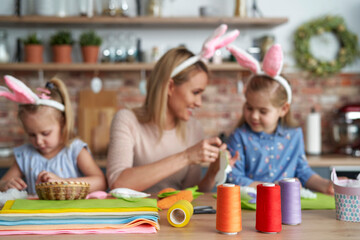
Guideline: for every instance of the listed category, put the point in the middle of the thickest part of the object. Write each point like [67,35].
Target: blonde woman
[160,144]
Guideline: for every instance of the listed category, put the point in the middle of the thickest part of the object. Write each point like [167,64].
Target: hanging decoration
[348,42]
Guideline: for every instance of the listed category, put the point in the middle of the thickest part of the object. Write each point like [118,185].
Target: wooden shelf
[15,21]
[101,67]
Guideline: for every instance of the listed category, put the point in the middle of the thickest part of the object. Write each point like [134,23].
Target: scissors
[204,210]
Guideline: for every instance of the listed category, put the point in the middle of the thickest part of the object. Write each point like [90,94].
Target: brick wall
[222,101]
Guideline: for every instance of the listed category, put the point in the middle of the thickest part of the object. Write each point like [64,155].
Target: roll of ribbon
[268,208]
[290,201]
[180,213]
[228,212]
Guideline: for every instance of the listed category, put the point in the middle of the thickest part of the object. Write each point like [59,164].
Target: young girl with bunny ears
[52,154]
[160,145]
[269,145]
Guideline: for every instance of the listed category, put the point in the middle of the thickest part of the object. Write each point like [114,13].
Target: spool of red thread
[268,208]
[228,209]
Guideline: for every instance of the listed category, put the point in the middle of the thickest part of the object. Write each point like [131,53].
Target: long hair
[155,105]
[59,93]
[278,96]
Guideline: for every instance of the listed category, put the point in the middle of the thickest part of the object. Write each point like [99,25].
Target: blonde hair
[278,96]
[59,93]
[155,106]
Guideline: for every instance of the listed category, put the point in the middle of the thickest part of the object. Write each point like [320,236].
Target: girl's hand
[329,189]
[14,182]
[206,151]
[233,159]
[45,176]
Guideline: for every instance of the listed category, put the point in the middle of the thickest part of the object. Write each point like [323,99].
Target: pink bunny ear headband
[23,95]
[214,42]
[272,64]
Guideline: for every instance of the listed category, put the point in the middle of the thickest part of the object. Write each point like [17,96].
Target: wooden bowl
[62,190]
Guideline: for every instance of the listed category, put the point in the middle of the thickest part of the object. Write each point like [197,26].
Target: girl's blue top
[64,164]
[268,157]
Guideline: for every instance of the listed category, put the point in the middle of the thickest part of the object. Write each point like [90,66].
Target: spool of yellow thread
[180,213]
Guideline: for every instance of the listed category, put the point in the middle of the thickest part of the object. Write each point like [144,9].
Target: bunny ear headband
[214,42]
[23,95]
[272,64]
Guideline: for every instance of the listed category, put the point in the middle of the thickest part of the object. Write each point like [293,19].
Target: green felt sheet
[24,204]
[322,201]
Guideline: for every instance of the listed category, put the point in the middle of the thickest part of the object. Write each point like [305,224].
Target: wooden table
[316,224]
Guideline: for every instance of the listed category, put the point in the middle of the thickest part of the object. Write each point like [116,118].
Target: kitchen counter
[333,160]
[314,161]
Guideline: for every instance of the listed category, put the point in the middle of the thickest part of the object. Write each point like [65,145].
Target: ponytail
[60,93]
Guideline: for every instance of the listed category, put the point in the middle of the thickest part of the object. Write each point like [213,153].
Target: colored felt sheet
[134,223]
[321,202]
[136,229]
[25,204]
[88,205]
[70,215]
[23,216]
[75,221]
[194,191]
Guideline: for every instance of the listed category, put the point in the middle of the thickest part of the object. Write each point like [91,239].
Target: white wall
[297,11]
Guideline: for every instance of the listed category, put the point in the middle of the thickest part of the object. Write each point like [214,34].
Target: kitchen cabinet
[155,23]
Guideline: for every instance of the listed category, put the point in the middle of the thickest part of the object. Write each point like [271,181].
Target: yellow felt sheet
[9,204]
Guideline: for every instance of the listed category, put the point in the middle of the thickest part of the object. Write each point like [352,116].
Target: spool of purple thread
[290,201]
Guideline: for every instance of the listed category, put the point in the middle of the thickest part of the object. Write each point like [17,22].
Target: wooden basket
[63,190]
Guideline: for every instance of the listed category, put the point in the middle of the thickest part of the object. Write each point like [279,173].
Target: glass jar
[116,8]
[240,8]
[131,49]
[154,8]
[4,47]
[120,53]
[112,8]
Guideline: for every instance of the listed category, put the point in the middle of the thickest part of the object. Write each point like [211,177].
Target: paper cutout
[225,168]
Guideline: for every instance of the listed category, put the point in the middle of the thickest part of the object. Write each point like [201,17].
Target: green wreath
[348,52]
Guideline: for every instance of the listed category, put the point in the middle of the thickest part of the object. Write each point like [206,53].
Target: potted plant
[90,43]
[61,43]
[33,49]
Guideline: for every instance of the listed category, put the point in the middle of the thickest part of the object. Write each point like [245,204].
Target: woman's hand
[45,176]
[206,151]
[14,182]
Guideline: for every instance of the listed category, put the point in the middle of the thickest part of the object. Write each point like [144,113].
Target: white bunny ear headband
[272,64]
[214,42]
[23,95]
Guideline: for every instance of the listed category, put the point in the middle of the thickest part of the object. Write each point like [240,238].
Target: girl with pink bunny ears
[269,145]
[52,153]
[160,145]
